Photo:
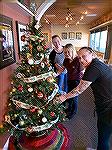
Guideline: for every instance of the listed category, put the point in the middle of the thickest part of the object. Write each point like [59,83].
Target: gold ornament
[51,89]
[50,79]
[10,93]
[40,111]
[28,70]
[1,126]
[7,118]
[14,89]
[28,55]
[21,123]
[15,115]
[30,47]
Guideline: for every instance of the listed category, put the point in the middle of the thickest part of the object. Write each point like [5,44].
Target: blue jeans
[104,125]
[62,82]
[72,102]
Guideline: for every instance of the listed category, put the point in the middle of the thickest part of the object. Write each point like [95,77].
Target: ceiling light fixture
[46,20]
[68,17]
[91,15]
[69,14]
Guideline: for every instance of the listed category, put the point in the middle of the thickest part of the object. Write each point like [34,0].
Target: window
[98,40]
[103,40]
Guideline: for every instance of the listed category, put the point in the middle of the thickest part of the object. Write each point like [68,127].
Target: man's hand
[60,99]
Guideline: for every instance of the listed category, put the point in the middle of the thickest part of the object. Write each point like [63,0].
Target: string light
[82,17]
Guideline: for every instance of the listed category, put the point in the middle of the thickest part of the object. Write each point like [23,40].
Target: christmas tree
[31,111]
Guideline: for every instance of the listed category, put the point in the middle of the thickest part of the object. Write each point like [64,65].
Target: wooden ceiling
[57,13]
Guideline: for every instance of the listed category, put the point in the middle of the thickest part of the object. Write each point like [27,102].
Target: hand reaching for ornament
[60,99]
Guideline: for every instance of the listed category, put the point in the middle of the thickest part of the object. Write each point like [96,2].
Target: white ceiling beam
[41,10]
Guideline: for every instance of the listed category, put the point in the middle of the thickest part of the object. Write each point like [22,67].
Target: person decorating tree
[74,74]
[99,76]
[56,58]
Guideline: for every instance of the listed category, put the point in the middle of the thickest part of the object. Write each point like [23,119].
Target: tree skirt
[57,139]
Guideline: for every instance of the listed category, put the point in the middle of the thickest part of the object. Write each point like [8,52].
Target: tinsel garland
[27,106]
[33,128]
[39,77]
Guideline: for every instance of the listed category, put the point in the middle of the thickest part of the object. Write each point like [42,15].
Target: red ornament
[32,109]
[52,114]
[40,95]
[29,129]
[45,97]
[20,88]
[23,38]
[44,47]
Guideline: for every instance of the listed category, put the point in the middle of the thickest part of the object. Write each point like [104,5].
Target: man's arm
[83,85]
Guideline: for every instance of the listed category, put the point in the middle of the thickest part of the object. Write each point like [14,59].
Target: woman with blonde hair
[74,74]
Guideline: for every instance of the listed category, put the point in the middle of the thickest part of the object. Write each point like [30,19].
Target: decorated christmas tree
[32,117]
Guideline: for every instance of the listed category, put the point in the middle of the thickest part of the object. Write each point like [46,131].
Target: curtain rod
[101,25]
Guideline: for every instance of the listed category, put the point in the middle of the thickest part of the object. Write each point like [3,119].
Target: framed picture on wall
[78,35]
[7,52]
[64,35]
[71,35]
[21,29]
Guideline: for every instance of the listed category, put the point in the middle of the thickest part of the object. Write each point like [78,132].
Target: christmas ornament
[32,109]
[28,55]
[15,115]
[7,118]
[29,129]
[40,111]
[45,97]
[20,88]
[52,114]
[9,104]
[32,37]
[19,75]
[30,89]
[50,79]
[10,93]
[30,46]
[14,89]
[23,37]
[37,26]
[45,47]
[28,70]
[42,65]
[44,119]
[21,123]
[42,38]
[38,48]
[51,88]
[11,82]
[1,126]
[31,61]
[40,95]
